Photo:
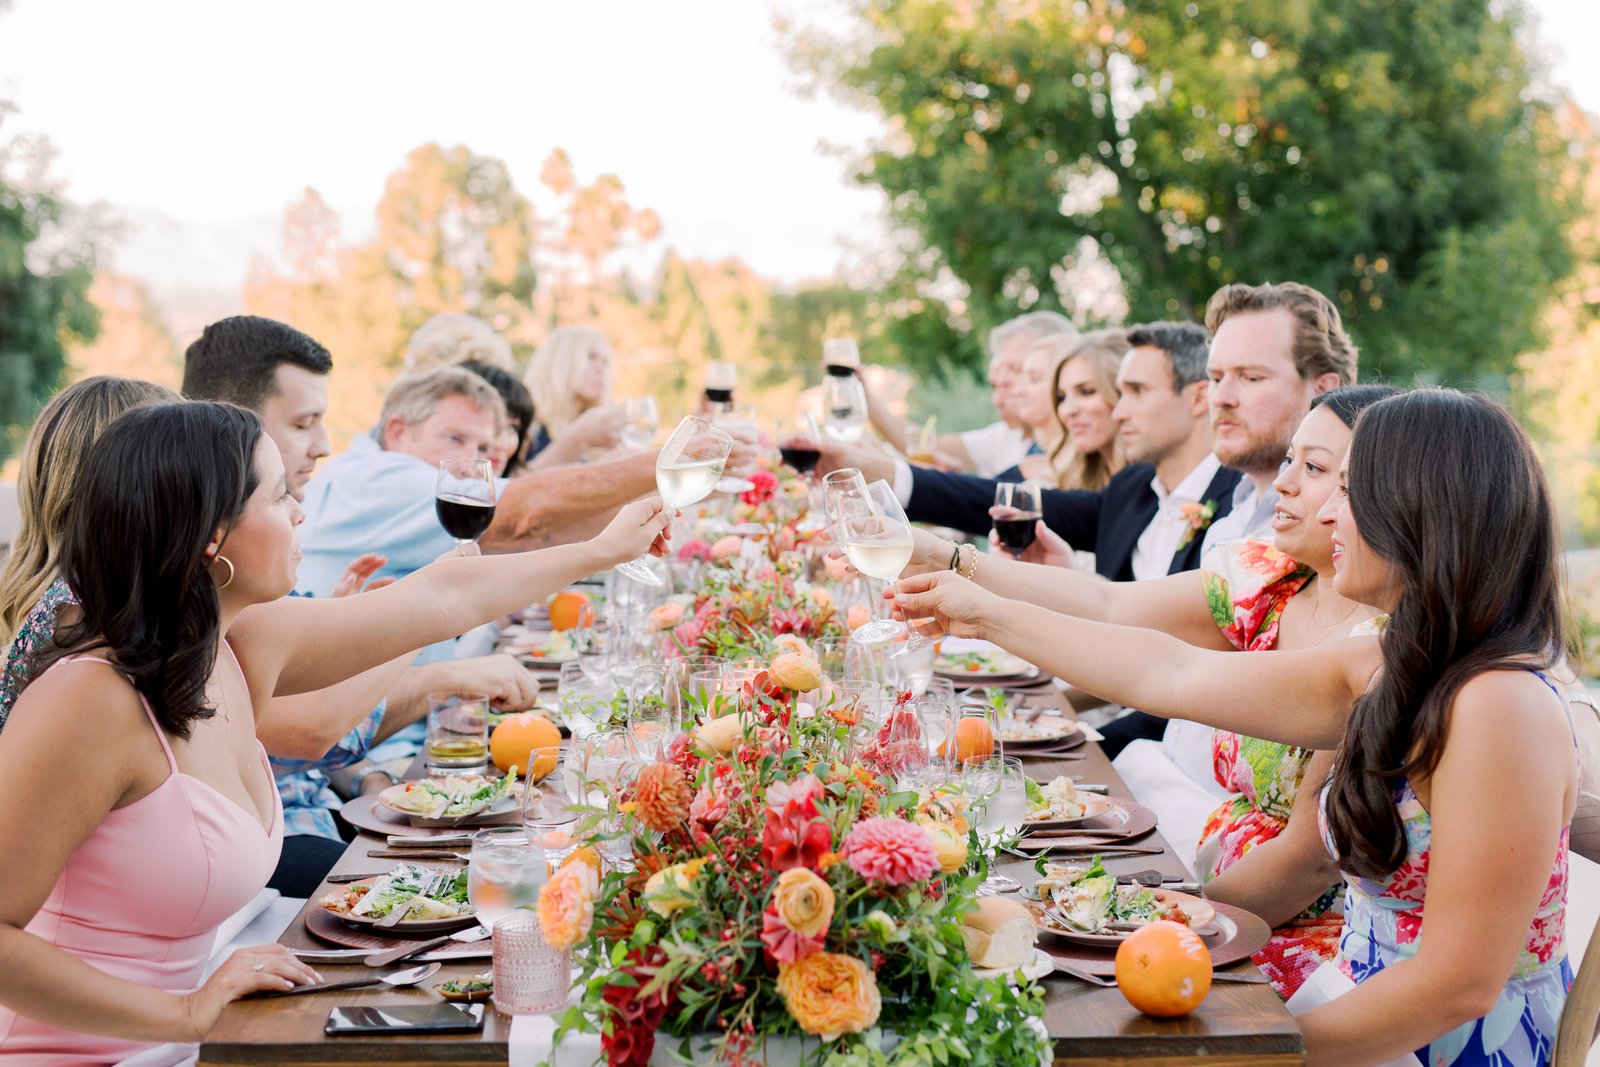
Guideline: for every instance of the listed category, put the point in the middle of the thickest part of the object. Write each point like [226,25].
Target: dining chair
[1580,1019]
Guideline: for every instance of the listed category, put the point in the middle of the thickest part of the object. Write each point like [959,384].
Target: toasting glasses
[686,471]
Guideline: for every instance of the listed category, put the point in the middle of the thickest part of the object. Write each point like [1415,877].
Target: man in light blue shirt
[378,496]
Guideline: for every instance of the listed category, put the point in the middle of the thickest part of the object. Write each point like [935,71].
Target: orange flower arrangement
[830,994]
[566,905]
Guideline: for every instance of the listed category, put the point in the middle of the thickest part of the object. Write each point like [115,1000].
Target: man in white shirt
[999,446]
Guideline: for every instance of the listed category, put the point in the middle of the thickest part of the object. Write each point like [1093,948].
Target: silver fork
[435,881]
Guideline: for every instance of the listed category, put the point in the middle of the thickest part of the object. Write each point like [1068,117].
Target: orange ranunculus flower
[797,672]
[829,994]
[949,844]
[566,905]
[858,616]
[791,643]
[803,901]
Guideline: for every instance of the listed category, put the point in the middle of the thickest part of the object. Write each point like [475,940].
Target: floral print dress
[1383,925]
[1247,584]
[36,634]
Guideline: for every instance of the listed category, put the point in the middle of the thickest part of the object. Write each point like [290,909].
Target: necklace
[1316,609]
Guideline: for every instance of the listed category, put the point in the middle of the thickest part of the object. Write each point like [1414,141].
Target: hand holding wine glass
[1015,513]
[640,421]
[871,526]
[687,469]
[844,408]
[464,497]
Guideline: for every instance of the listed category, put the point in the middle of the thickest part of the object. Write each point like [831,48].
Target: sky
[217,113]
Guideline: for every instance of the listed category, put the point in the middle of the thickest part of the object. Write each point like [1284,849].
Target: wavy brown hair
[1103,351]
[1468,528]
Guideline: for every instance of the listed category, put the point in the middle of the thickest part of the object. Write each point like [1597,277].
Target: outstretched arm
[561,504]
[299,644]
[1175,604]
[1156,672]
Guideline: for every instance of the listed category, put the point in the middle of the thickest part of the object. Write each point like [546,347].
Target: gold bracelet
[969,561]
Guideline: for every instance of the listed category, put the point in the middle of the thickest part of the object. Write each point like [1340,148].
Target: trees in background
[1104,157]
[47,257]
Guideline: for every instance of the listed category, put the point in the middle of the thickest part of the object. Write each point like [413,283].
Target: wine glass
[640,421]
[1015,513]
[997,781]
[840,356]
[844,408]
[742,424]
[504,873]
[876,537]
[464,498]
[800,443]
[687,470]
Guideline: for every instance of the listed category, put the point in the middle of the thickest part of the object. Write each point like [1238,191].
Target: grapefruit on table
[571,610]
[518,737]
[1164,969]
[973,738]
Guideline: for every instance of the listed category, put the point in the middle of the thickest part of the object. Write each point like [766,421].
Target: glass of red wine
[800,443]
[464,498]
[1015,511]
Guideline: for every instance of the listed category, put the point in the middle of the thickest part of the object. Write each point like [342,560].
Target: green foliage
[1392,156]
[46,266]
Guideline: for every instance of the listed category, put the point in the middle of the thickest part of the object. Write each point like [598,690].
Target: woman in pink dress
[131,828]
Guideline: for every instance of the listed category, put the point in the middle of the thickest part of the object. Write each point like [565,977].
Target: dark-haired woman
[132,827]
[1251,596]
[1455,775]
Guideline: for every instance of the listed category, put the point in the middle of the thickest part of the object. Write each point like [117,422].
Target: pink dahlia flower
[891,851]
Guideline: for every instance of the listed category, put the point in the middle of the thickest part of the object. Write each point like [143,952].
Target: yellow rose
[803,901]
[949,845]
[669,889]
[721,734]
[829,994]
[799,673]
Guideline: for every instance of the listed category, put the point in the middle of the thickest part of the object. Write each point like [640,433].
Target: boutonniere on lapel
[1198,517]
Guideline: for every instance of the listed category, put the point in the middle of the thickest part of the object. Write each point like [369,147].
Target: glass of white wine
[844,408]
[687,470]
[639,422]
[876,536]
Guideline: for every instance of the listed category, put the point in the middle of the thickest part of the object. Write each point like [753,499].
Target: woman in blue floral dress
[1456,771]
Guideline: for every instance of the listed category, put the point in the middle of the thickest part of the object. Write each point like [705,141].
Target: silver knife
[433,841]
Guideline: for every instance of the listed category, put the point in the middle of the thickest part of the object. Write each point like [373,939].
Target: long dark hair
[154,488]
[1468,528]
[1349,401]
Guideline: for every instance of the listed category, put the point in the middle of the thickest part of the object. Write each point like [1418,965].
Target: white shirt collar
[1193,485]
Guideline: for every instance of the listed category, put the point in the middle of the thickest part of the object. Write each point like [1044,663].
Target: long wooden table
[1236,1025]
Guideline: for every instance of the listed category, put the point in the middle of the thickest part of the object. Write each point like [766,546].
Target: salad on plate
[374,898]
[1089,900]
[1055,799]
[437,798]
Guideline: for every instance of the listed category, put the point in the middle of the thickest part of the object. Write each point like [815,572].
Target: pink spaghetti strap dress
[142,897]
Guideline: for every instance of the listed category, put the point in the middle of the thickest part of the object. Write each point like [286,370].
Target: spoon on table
[397,980]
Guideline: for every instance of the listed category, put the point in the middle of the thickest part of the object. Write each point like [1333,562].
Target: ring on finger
[258,967]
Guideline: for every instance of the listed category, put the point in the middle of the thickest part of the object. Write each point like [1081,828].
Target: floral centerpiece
[783,888]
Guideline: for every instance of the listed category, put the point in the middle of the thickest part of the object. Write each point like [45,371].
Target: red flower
[631,1037]
[795,834]
[793,621]
[763,485]
[782,943]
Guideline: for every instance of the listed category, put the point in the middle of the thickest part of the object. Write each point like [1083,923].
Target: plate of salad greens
[965,660]
[459,800]
[365,902]
[1088,907]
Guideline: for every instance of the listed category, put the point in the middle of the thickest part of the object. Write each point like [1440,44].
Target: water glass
[938,720]
[910,667]
[552,828]
[530,976]
[504,873]
[587,690]
[458,733]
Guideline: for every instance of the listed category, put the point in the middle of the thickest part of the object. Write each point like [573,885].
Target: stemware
[840,356]
[686,472]
[741,424]
[800,443]
[997,784]
[1016,513]
[504,873]
[844,408]
[640,421]
[463,497]
[871,526]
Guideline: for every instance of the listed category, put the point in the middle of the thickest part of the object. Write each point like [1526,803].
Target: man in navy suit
[1137,526]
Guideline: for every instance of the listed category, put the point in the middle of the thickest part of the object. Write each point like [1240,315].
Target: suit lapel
[1220,492]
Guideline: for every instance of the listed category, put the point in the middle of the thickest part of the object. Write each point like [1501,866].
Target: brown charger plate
[325,926]
[365,813]
[1243,934]
[1095,807]
[1043,749]
[1124,815]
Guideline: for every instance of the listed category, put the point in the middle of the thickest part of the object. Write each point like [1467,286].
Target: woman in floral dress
[1456,775]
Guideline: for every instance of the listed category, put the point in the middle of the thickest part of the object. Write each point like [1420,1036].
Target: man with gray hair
[994,448]
[378,495]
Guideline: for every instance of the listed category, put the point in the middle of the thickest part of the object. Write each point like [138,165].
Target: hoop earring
[229,579]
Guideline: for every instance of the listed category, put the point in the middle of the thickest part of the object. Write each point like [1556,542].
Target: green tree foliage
[46,265]
[1391,155]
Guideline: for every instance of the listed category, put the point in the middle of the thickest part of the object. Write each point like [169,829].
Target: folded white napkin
[1327,984]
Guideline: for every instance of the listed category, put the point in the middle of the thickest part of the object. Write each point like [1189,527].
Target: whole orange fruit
[973,738]
[1164,969]
[571,610]
[516,738]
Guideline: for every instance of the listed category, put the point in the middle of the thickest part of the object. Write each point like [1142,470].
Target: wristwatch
[361,782]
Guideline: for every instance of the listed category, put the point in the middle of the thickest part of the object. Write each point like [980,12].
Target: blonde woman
[1080,387]
[570,379]
[451,339]
[61,437]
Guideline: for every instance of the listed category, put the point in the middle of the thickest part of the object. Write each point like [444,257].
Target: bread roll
[999,934]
